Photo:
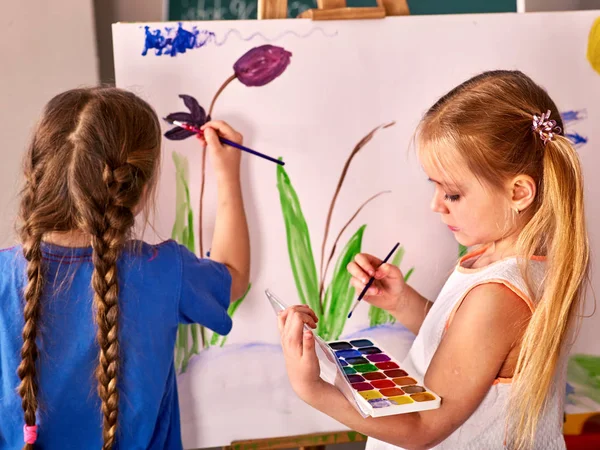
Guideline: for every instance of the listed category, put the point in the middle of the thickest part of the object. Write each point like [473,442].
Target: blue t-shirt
[160,287]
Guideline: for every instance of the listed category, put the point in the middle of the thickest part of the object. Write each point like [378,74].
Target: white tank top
[486,428]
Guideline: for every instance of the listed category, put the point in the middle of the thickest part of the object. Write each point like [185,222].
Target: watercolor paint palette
[379,384]
[370,380]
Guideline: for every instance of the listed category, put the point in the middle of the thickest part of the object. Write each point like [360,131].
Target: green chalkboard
[246,9]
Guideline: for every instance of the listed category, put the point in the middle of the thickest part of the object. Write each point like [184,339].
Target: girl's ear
[522,191]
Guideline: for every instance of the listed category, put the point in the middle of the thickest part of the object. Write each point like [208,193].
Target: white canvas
[344,79]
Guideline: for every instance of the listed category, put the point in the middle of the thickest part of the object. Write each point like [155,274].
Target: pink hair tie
[545,127]
[30,434]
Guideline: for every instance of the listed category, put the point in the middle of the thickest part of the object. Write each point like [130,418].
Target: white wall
[556,5]
[48,47]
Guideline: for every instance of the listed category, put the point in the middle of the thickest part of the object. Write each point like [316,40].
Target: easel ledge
[303,442]
[334,10]
[326,10]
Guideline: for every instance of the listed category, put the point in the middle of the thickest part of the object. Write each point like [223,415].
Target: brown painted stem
[221,89]
[355,151]
[203,169]
[337,239]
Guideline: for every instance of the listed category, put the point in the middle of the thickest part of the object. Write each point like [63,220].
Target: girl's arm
[411,309]
[488,324]
[231,241]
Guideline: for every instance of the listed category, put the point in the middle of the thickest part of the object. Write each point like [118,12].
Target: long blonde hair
[93,156]
[486,122]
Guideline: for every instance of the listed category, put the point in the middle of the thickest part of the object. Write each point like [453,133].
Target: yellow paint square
[370,395]
[402,399]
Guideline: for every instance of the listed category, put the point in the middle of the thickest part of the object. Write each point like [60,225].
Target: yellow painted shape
[593,50]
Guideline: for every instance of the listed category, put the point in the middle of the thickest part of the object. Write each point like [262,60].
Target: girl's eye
[452,198]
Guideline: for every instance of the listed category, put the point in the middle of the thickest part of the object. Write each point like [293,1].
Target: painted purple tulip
[261,65]
[197,116]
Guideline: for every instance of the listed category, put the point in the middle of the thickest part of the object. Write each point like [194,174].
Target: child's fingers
[359,286]
[307,310]
[357,272]
[201,139]
[367,263]
[387,271]
[292,333]
[308,343]
[212,138]
[304,309]
[223,129]
[308,319]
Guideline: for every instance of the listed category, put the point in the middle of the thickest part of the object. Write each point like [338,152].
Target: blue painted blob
[576,139]
[163,43]
[573,116]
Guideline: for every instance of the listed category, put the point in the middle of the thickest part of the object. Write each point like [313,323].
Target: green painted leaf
[339,294]
[189,337]
[583,374]
[298,242]
[462,250]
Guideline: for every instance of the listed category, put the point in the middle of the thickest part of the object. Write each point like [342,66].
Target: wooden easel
[316,441]
[326,10]
[334,10]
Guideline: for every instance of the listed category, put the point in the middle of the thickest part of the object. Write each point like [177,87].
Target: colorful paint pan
[364,368]
[340,346]
[356,361]
[369,395]
[348,354]
[387,365]
[380,384]
[379,357]
[405,381]
[377,383]
[394,373]
[422,397]
[360,343]
[413,389]
[402,400]
[391,392]
[374,376]
[369,350]
[358,379]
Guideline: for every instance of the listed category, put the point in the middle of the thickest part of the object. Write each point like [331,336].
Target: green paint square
[366,368]
[349,370]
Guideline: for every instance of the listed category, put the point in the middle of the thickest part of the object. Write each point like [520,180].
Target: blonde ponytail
[557,229]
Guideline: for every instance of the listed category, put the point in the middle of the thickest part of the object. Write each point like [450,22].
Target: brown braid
[109,231]
[93,156]
[29,351]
